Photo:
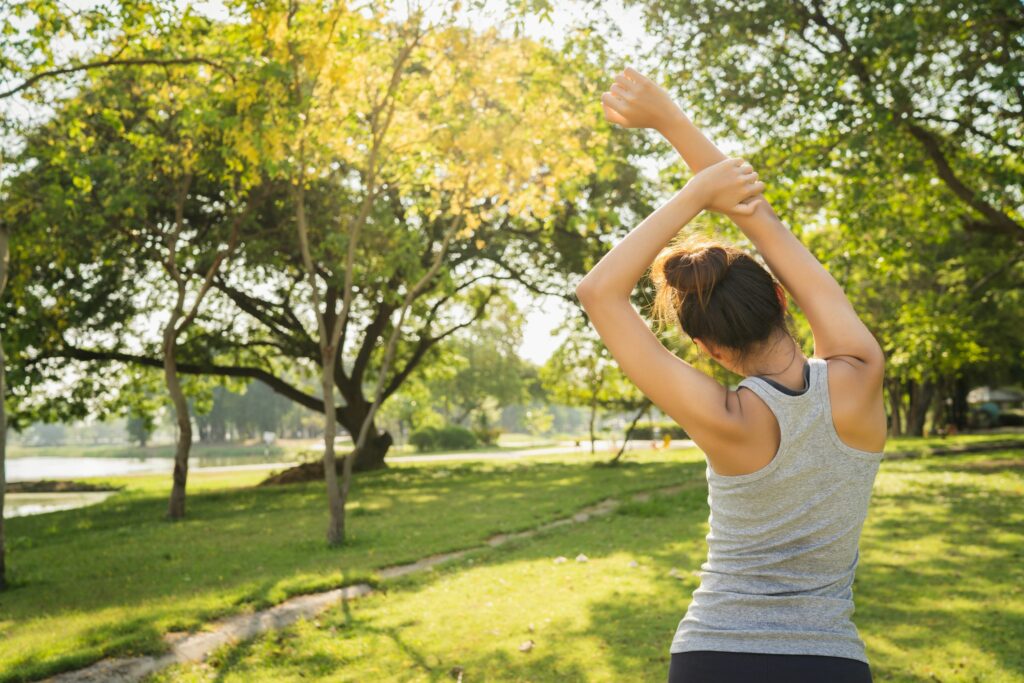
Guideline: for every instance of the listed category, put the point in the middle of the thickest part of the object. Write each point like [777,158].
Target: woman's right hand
[635,101]
[728,187]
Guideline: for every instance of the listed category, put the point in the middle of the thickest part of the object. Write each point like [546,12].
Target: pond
[31,468]
[23,504]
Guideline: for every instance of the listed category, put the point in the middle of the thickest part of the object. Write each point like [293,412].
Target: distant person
[791,454]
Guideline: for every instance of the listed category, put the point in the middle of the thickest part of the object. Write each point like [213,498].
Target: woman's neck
[783,363]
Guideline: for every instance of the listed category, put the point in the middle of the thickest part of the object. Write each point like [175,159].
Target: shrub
[1011,418]
[488,436]
[645,430]
[449,437]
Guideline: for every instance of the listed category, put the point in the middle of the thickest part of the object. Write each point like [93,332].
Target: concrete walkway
[602,448]
[195,647]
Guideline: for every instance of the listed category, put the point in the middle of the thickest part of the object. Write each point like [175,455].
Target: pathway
[195,647]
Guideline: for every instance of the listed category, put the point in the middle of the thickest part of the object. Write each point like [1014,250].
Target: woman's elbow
[586,290]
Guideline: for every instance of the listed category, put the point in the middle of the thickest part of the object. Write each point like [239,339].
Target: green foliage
[478,371]
[486,432]
[581,372]
[539,420]
[865,120]
[487,142]
[140,428]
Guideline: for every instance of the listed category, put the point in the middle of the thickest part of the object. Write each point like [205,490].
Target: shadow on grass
[532,666]
[130,638]
[979,537]
[635,632]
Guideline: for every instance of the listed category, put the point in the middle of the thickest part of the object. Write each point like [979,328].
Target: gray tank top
[783,541]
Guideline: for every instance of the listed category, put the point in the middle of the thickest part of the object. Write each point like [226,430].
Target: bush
[488,436]
[450,437]
[1011,418]
[645,430]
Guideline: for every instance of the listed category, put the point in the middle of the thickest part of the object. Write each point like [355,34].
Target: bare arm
[836,328]
[714,420]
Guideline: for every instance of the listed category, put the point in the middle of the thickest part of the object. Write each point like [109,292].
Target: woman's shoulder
[762,437]
[856,399]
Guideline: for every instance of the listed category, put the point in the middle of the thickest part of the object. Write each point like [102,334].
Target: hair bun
[737,313]
[697,272]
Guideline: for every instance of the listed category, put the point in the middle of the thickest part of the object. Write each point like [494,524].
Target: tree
[411,407]
[830,98]
[480,366]
[582,373]
[539,420]
[490,170]
[4,258]
[34,52]
[140,429]
[574,185]
[186,148]
[140,402]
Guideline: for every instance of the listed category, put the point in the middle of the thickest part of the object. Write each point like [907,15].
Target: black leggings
[711,666]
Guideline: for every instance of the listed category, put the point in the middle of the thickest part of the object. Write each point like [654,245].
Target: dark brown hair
[718,293]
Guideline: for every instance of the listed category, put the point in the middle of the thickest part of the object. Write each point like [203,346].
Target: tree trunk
[959,417]
[593,417]
[336,523]
[371,457]
[940,411]
[629,431]
[920,399]
[3,457]
[461,419]
[176,504]
[895,407]
[3,414]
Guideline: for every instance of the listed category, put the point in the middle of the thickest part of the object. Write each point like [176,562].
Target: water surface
[23,504]
[32,467]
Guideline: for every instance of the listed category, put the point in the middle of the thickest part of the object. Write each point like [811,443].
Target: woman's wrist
[672,123]
[694,192]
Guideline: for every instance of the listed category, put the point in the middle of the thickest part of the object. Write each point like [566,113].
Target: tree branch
[275,383]
[141,61]
[426,342]
[282,325]
[932,146]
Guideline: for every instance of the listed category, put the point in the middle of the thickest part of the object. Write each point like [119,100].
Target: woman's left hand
[729,187]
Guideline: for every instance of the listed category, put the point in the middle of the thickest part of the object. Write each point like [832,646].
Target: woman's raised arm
[637,102]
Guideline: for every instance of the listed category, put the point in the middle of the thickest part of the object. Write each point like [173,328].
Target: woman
[792,453]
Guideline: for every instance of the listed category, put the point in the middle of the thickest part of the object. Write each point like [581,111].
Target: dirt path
[195,647]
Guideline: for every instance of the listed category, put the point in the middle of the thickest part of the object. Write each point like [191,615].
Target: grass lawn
[111,578]
[918,445]
[938,589]
[938,595]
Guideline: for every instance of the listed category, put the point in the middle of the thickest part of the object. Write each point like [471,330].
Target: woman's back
[783,541]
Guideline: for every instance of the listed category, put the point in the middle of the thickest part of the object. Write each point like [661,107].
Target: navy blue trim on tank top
[787,390]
